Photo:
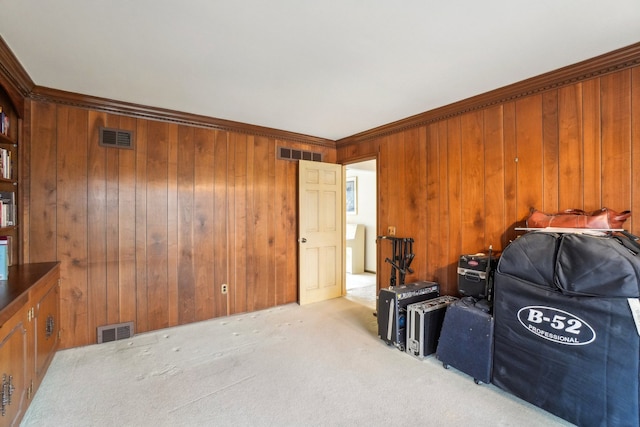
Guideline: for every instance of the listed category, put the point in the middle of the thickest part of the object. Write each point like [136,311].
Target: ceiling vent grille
[116,138]
[285,153]
[119,331]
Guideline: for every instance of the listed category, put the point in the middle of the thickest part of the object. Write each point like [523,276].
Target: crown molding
[45,94]
[20,86]
[616,60]
[14,77]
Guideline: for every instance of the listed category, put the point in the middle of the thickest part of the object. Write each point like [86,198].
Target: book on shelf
[5,163]
[4,260]
[7,208]
[8,242]
[4,122]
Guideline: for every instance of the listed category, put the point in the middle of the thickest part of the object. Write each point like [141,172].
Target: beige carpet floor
[315,365]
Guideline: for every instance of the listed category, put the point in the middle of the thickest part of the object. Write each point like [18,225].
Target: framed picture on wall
[352,195]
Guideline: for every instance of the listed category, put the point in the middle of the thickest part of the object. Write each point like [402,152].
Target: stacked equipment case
[392,309]
[475,275]
[567,326]
[424,325]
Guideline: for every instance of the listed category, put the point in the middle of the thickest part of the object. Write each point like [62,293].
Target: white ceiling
[329,68]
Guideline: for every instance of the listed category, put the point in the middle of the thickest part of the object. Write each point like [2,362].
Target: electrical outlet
[224,288]
[391,230]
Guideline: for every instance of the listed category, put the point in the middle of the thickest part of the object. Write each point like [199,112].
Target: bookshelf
[9,131]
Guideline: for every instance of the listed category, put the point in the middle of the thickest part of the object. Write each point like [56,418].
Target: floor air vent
[116,138]
[291,154]
[115,332]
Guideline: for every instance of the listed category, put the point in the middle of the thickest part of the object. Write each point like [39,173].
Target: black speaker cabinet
[466,340]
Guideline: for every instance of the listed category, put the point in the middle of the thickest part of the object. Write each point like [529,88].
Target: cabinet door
[13,369]
[46,324]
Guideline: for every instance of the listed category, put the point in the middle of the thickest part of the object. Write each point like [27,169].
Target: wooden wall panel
[42,202]
[513,220]
[126,202]
[550,150]
[96,220]
[591,143]
[219,215]
[172,225]
[204,223]
[635,144]
[530,150]
[454,202]
[238,236]
[383,248]
[111,225]
[290,208]
[415,207]
[570,152]
[495,222]
[149,235]
[574,146]
[72,225]
[433,246]
[186,256]
[142,300]
[157,225]
[616,139]
[472,184]
[442,236]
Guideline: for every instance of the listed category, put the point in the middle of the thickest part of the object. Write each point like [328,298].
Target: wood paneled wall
[151,234]
[460,184]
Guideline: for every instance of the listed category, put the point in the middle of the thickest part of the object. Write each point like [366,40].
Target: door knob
[302,240]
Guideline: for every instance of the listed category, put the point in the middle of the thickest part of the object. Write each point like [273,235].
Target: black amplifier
[475,275]
[392,309]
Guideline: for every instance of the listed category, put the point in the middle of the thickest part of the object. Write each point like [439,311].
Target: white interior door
[320,235]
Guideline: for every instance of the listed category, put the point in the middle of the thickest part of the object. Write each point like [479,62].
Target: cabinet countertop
[14,292]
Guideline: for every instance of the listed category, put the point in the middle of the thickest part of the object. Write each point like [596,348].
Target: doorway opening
[361,225]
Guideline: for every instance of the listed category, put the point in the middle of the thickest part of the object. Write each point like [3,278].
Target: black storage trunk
[466,339]
[392,309]
[475,275]
[565,336]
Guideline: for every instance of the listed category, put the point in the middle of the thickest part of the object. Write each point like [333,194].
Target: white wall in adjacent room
[365,174]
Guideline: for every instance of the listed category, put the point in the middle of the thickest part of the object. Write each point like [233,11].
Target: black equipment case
[565,335]
[392,309]
[466,339]
[424,322]
[475,275]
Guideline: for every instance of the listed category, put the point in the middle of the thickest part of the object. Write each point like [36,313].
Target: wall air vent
[117,138]
[119,331]
[295,155]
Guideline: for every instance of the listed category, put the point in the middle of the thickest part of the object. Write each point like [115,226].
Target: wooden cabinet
[45,306]
[14,368]
[29,325]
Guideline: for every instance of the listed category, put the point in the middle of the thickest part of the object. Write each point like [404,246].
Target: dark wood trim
[13,77]
[616,60]
[40,93]
[21,86]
